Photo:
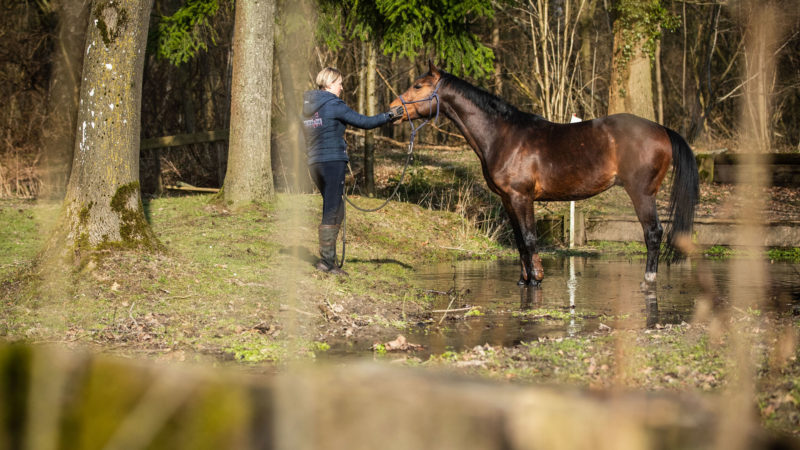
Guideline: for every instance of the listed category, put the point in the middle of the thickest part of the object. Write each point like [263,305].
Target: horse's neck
[476,126]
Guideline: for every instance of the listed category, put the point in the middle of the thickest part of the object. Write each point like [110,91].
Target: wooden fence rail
[184,139]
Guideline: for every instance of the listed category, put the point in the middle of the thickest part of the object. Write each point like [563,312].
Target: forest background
[228,285]
[554,58]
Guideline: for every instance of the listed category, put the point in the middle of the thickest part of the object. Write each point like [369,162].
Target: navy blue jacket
[324,119]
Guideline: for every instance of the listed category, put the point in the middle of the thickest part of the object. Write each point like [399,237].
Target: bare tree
[552,82]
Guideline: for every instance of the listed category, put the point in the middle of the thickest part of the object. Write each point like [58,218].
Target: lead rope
[409,154]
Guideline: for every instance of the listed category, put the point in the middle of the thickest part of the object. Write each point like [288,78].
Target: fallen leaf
[400,344]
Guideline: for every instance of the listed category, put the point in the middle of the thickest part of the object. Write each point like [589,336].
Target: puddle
[578,295]
[586,291]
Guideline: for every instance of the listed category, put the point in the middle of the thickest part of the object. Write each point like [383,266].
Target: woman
[325,117]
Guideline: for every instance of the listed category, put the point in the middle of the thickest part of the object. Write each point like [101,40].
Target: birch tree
[103,204]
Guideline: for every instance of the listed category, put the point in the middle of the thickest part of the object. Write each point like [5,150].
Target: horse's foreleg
[512,216]
[645,206]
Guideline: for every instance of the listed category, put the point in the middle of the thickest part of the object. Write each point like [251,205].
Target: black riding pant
[329,178]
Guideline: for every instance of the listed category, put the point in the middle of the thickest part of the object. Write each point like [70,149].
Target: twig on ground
[469,308]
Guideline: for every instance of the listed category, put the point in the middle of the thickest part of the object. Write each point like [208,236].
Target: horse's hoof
[521,282]
[535,282]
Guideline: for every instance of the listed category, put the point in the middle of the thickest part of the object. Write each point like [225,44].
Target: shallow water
[587,291]
[578,295]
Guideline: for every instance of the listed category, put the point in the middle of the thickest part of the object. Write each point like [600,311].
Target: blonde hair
[327,76]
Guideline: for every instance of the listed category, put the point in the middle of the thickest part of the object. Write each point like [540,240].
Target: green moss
[82,241]
[111,21]
[83,215]
[133,229]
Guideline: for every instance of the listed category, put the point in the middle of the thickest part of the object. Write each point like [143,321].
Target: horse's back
[580,160]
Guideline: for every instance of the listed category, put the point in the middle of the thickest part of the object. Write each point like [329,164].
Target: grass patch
[221,285]
[636,248]
[719,252]
[784,254]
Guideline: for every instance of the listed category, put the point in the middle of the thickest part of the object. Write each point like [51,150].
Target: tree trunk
[103,202]
[222,147]
[249,175]
[62,109]
[631,84]
[763,35]
[361,97]
[659,86]
[586,29]
[361,94]
[372,109]
[631,89]
[498,74]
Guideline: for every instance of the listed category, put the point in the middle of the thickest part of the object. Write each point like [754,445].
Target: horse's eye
[417,86]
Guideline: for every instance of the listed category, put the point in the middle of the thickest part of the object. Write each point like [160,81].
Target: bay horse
[526,158]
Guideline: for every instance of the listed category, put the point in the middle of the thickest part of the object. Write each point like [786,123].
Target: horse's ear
[432,68]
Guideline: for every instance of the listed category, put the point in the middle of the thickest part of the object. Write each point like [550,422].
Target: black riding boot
[327,249]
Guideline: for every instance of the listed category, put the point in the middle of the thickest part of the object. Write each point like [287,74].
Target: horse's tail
[685,193]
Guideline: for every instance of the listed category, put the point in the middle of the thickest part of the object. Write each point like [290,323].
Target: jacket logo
[314,122]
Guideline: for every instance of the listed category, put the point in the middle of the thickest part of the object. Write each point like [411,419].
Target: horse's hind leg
[645,206]
[520,212]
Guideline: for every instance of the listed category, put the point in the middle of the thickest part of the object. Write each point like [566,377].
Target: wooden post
[705,166]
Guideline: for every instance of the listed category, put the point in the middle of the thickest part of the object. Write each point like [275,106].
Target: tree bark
[586,26]
[659,86]
[62,109]
[361,93]
[631,89]
[498,74]
[249,175]
[103,204]
[372,109]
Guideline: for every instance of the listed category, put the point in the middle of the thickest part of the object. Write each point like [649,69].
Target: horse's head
[421,99]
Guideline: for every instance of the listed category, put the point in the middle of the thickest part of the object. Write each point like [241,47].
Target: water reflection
[578,295]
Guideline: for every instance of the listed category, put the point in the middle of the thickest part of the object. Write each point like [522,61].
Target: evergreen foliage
[180,36]
[406,27]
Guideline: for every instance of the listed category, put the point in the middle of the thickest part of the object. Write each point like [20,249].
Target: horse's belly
[565,191]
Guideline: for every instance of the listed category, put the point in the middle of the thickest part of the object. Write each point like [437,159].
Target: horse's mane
[489,103]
